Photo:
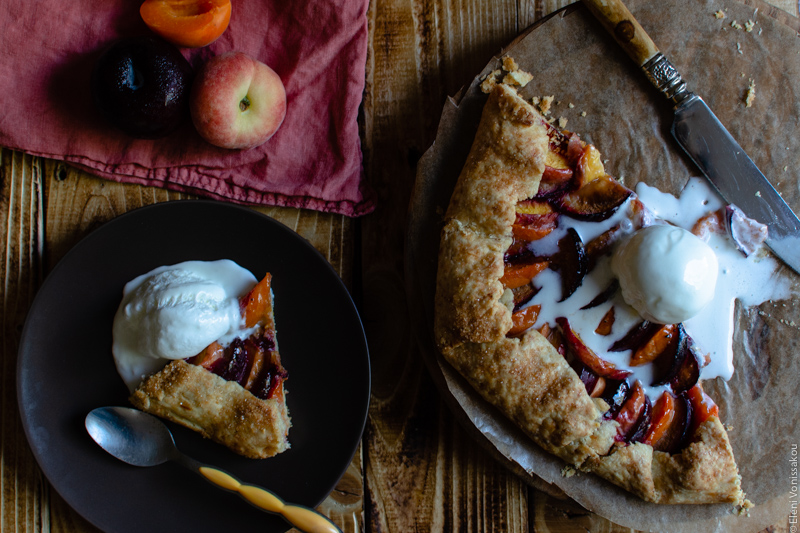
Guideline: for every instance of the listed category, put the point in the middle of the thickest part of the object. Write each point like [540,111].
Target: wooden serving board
[615,108]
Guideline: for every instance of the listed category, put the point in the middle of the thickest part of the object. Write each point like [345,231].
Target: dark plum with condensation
[141,86]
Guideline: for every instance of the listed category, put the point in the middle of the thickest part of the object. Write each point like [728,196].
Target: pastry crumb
[739,47]
[518,77]
[744,508]
[509,74]
[583,113]
[750,94]
[490,81]
[749,25]
[568,471]
[509,64]
[545,104]
[719,14]
[562,122]
[570,105]
[736,26]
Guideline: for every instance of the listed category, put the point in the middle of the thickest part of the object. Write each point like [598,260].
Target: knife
[703,137]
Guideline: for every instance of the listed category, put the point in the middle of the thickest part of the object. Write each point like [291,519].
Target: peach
[237,101]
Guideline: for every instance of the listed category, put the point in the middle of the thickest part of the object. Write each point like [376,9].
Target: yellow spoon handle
[303,518]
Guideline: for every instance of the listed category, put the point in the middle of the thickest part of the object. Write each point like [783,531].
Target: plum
[615,393]
[141,86]
[633,414]
[670,423]
[604,296]
[595,201]
[688,373]
[570,262]
[636,337]
[585,355]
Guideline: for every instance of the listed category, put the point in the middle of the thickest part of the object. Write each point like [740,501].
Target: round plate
[65,370]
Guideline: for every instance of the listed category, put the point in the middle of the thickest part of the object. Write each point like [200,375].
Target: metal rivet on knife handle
[619,22]
[666,78]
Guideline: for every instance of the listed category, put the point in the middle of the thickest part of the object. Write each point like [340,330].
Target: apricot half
[187,23]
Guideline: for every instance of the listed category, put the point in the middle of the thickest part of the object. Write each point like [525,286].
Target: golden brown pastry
[530,375]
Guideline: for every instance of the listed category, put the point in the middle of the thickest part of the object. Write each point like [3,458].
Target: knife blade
[704,138]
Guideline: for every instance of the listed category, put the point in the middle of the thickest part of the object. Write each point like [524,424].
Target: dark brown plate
[65,369]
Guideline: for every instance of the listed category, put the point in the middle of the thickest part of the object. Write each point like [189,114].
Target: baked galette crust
[525,377]
[218,409]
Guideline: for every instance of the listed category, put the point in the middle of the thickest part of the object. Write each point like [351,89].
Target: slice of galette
[233,395]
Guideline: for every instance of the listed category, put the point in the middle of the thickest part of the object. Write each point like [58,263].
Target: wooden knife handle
[626,30]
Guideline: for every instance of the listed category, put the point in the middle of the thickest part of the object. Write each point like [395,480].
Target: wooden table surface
[416,469]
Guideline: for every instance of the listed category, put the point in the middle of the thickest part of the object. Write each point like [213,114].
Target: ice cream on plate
[174,312]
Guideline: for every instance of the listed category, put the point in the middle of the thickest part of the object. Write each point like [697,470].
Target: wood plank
[23,492]
[423,472]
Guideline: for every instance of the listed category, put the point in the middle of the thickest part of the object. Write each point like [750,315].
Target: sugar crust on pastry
[526,378]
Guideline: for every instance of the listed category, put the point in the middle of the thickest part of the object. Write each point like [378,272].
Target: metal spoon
[141,439]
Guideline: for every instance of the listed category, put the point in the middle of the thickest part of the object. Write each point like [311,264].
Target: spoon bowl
[140,439]
[131,436]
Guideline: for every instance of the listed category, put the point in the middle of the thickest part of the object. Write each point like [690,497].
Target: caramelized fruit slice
[534,220]
[680,367]
[524,319]
[585,355]
[633,413]
[637,336]
[662,419]
[595,201]
[615,395]
[604,296]
[256,305]
[570,262]
[671,422]
[522,295]
[517,275]
[688,373]
[606,323]
[655,345]
[602,244]
[703,407]
[589,167]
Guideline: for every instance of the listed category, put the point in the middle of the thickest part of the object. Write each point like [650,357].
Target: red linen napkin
[47,52]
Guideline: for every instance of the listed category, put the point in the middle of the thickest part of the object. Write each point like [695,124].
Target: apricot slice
[524,319]
[585,355]
[606,324]
[655,345]
[516,276]
[187,23]
[256,305]
[703,407]
[534,220]
[634,414]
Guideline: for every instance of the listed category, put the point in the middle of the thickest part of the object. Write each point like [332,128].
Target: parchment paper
[573,59]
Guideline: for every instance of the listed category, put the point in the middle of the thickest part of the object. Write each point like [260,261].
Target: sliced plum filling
[575,184]
[252,362]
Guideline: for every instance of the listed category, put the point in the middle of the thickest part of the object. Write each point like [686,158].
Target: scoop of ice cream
[666,273]
[174,312]
[177,313]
